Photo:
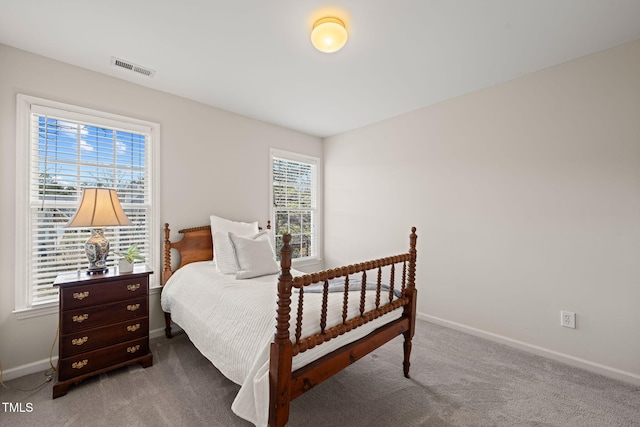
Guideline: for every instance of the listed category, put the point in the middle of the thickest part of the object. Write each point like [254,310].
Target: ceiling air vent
[132,67]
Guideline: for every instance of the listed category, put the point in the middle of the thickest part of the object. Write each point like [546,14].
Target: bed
[323,321]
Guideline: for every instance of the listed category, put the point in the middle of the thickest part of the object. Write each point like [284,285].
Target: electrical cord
[48,373]
[53,368]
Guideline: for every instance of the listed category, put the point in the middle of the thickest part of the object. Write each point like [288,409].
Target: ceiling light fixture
[328,35]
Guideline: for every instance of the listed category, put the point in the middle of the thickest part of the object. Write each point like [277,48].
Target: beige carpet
[457,380]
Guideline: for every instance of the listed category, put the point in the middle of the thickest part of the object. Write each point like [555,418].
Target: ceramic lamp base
[97,249]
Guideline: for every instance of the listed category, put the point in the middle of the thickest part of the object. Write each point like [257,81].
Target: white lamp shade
[99,207]
[329,35]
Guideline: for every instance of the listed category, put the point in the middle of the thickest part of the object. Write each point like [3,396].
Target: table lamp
[98,208]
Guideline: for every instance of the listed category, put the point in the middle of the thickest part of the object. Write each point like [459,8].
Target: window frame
[317,210]
[24,308]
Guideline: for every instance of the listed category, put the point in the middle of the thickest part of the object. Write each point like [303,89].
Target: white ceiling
[254,57]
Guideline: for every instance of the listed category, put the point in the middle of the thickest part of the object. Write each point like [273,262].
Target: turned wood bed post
[166,273]
[281,347]
[410,309]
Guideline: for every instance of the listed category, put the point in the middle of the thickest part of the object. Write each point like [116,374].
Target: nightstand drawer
[104,336]
[91,317]
[87,295]
[85,363]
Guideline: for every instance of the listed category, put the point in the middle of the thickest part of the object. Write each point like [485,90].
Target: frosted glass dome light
[329,35]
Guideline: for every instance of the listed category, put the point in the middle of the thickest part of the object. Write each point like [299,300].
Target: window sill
[37,311]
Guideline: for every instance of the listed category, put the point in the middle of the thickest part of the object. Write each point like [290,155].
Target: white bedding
[232,323]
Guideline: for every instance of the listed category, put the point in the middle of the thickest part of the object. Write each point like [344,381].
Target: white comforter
[232,323]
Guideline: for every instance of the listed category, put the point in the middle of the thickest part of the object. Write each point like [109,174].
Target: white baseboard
[44,364]
[29,368]
[577,362]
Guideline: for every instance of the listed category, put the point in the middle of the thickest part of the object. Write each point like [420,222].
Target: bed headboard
[196,245]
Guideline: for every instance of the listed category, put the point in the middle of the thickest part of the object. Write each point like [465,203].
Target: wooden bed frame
[285,384]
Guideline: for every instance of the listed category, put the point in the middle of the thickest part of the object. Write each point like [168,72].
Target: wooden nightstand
[104,324]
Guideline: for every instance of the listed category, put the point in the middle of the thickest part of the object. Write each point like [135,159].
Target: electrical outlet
[568,319]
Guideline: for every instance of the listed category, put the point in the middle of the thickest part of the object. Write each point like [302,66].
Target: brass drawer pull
[134,287]
[79,341]
[133,307]
[79,365]
[133,328]
[80,295]
[133,349]
[81,318]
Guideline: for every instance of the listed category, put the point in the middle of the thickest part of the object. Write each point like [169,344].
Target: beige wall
[212,161]
[526,196]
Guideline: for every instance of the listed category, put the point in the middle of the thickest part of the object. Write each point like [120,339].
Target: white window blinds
[295,204]
[69,151]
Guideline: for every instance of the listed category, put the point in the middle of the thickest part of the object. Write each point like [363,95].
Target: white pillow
[254,255]
[272,239]
[223,255]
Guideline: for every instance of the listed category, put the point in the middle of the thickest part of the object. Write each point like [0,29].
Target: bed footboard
[286,385]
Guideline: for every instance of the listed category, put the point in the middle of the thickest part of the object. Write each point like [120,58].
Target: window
[61,149]
[295,202]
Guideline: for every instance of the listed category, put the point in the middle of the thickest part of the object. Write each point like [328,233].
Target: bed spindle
[363,291]
[345,302]
[325,300]
[378,287]
[392,280]
[299,317]
[404,277]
